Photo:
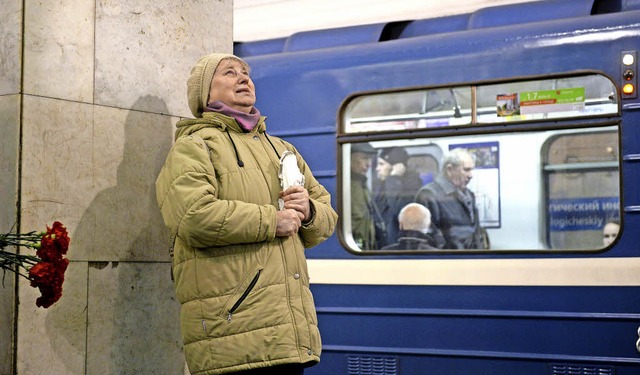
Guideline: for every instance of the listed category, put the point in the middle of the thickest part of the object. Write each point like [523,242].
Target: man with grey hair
[415,222]
[452,204]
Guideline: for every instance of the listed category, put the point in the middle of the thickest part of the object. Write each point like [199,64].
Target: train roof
[490,17]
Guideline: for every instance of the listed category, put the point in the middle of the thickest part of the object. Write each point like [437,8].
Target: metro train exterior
[544,95]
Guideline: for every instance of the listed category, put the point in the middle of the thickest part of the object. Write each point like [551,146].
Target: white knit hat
[199,82]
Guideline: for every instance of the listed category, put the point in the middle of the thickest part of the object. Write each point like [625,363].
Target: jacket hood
[214,120]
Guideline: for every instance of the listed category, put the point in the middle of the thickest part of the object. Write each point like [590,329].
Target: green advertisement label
[560,96]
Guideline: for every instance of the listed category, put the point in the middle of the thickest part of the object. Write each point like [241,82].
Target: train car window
[544,189]
[567,97]
[582,177]
[417,109]
[533,100]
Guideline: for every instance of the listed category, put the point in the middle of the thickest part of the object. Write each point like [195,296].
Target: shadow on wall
[123,223]
[132,317]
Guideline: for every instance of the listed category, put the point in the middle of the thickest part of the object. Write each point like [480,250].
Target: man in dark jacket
[414,224]
[452,205]
[395,187]
[365,216]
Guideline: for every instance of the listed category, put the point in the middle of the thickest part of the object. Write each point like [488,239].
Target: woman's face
[232,85]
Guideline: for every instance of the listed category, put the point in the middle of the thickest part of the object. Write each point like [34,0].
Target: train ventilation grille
[369,365]
[566,369]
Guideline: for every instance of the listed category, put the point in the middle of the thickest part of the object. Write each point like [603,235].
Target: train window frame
[384,137]
[606,208]
[426,112]
[475,114]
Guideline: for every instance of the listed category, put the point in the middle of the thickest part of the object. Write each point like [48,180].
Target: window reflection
[583,183]
[532,100]
[546,190]
[543,190]
[420,109]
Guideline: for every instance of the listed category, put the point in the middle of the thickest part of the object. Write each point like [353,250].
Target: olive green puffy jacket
[244,292]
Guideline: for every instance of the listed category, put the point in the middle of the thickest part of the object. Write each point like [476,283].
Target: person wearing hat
[396,186]
[452,205]
[239,262]
[366,220]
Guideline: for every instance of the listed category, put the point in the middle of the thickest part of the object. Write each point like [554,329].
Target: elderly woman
[239,264]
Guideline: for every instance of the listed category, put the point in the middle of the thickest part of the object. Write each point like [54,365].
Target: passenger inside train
[365,216]
[452,204]
[567,180]
[396,186]
[610,232]
[414,229]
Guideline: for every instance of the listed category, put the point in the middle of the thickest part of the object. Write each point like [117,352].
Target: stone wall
[90,92]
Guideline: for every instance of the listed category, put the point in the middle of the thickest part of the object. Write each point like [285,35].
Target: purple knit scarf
[247,121]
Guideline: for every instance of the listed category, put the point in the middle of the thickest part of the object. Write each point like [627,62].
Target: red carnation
[46,269]
[48,276]
[54,243]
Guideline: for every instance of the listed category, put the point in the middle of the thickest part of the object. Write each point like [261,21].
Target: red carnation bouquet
[46,269]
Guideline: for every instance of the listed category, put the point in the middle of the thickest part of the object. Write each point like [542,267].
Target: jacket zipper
[243,296]
[171,250]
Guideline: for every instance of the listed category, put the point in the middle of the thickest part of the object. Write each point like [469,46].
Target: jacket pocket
[240,294]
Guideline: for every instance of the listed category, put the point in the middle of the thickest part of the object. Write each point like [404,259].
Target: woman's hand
[297,198]
[287,222]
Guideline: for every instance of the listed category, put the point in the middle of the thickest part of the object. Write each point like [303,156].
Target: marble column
[90,92]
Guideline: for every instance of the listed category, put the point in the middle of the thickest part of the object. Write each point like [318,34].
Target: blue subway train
[543,95]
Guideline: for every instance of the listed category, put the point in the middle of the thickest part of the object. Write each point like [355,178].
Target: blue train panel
[543,95]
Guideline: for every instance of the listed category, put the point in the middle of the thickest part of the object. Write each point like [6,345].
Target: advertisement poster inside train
[547,101]
[540,102]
